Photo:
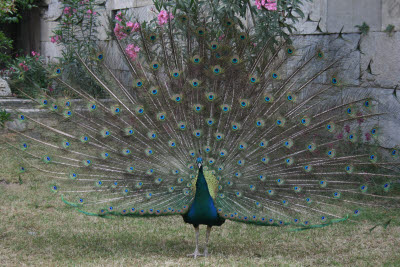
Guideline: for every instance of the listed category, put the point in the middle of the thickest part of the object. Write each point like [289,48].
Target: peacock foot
[195,254]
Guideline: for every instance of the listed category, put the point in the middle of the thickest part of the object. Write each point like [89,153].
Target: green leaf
[364,28]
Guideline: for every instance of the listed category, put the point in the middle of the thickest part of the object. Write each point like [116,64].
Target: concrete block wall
[379,52]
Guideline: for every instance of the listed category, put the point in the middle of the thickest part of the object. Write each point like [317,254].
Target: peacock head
[199,161]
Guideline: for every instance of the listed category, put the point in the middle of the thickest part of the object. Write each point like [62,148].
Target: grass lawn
[37,229]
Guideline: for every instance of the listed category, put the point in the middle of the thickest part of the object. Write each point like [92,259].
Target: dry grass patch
[38,229]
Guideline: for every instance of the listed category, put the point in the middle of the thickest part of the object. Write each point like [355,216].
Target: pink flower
[56,39]
[163,17]
[119,32]
[271,7]
[132,51]
[67,10]
[119,16]
[91,12]
[268,4]
[134,27]
[36,55]
[22,65]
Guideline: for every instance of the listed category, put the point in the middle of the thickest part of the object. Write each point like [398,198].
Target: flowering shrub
[27,74]
[123,27]
[269,19]
[77,28]
[272,20]
[77,33]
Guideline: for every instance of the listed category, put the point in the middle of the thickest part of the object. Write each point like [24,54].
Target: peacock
[213,126]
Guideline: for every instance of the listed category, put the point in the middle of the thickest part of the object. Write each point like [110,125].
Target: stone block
[5,90]
[54,10]
[314,16]
[50,51]
[381,52]
[114,58]
[349,13]
[347,70]
[103,24]
[46,29]
[391,13]
[123,4]
[389,123]
[142,13]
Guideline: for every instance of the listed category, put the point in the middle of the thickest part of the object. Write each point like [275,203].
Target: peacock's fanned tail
[282,140]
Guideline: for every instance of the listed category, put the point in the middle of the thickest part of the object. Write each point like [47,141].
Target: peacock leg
[196,253]
[207,237]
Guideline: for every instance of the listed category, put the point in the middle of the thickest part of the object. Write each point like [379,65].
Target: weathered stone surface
[142,13]
[315,15]
[389,124]
[46,29]
[103,24]
[382,53]
[123,4]
[347,70]
[5,90]
[391,13]
[114,58]
[349,13]
[50,51]
[54,10]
